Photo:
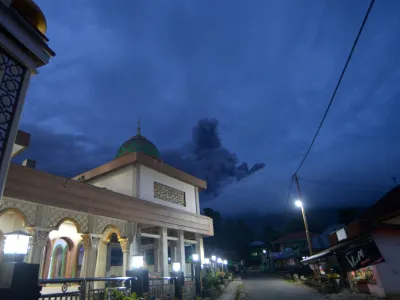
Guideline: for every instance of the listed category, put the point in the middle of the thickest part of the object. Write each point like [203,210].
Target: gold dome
[32,13]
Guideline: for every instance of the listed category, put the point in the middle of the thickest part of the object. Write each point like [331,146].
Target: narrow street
[269,287]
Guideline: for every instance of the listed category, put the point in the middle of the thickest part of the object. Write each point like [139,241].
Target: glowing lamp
[137,262]
[225,262]
[195,257]
[265,251]
[298,203]
[207,261]
[16,242]
[176,266]
[213,258]
[219,260]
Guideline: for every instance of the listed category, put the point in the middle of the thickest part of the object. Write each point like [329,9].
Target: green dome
[138,143]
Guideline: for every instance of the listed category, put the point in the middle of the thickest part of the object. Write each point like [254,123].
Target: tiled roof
[295,236]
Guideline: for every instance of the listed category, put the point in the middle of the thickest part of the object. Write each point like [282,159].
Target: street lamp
[213,258]
[137,262]
[176,266]
[195,257]
[16,243]
[299,203]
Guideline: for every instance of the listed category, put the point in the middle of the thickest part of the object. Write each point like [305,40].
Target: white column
[38,249]
[200,248]
[101,264]
[101,260]
[90,245]
[124,242]
[181,251]
[157,255]
[134,247]
[164,251]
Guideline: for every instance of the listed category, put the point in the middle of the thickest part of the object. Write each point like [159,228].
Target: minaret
[23,49]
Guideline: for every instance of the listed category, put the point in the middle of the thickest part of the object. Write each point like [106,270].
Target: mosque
[95,223]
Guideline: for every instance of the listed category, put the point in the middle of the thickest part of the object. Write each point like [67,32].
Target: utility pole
[304,214]
[395,181]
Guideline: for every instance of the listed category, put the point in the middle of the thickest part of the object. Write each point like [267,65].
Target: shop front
[352,261]
[359,263]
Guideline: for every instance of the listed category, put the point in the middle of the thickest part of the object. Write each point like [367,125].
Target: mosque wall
[146,189]
[121,181]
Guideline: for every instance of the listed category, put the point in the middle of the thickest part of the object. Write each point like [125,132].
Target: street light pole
[304,214]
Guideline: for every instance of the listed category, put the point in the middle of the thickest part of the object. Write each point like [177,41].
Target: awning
[332,250]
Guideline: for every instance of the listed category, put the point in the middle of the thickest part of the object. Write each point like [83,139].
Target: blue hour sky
[263,71]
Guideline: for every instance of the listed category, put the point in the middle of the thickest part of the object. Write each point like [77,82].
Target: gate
[189,289]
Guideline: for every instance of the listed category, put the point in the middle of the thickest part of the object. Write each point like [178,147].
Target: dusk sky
[265,70]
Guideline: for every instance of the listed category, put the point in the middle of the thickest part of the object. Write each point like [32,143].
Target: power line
[288,195]
[338,84]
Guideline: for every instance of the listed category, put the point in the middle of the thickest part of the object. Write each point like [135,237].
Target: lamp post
[225,262]
[16,244]
[298,203]
[219,261]
[213,260]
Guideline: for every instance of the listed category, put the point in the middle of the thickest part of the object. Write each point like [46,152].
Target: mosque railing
[100,288]
[162,288]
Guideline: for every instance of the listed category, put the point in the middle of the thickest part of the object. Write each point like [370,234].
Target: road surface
[268,287]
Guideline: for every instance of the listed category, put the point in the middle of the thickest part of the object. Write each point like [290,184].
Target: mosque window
[169,194]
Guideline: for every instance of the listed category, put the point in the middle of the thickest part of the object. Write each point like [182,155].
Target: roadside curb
[241,293]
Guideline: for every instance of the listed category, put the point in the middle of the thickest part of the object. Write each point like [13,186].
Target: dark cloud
[206,158]
[69,155]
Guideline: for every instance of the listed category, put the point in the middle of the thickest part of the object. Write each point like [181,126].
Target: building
[366,250]
[97,223]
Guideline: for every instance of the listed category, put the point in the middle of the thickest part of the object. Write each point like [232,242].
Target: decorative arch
[109,230]
[72,220]
[17,211]
[62,251]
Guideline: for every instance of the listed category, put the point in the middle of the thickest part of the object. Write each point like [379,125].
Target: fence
[84,288]
[162,288]
[189,289]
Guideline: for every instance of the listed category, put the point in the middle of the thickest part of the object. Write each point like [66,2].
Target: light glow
[298,203]
[219,260]
[195,257]
[265,251]
[137,262]
[16,243]
[225,262]
[176,266]
[206,261]
[213,258]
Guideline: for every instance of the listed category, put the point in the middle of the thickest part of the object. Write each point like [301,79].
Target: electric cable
[338,84]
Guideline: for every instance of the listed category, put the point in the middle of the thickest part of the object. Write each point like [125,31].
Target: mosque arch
[16,211]
[72,220]
[109,230]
